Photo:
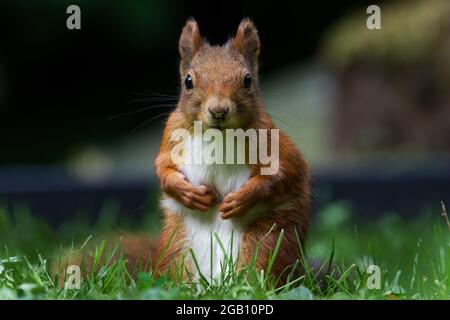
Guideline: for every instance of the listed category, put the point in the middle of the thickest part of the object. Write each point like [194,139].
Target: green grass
[413,256]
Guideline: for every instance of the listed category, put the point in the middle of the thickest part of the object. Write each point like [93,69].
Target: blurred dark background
[373,105]
[61,86]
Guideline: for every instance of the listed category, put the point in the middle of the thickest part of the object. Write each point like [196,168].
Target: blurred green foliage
[410,31]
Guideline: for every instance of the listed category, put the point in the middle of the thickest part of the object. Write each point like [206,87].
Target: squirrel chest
[208,234]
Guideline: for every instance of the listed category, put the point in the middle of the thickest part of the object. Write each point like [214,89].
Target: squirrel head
[219,84]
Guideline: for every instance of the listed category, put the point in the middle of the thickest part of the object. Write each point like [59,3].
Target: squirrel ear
[246,41]
[190,41]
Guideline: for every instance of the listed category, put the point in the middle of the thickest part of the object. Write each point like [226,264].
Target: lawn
[413,256]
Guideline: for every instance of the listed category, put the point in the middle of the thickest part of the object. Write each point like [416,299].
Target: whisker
[283,109]
[278,118]
[290,116]
[148,121]
[157,94]
[133,112]
[150,99]
[288,125]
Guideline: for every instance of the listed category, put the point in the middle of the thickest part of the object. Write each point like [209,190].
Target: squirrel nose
[218,113]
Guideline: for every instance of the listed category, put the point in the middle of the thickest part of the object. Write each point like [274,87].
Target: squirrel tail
[138,250]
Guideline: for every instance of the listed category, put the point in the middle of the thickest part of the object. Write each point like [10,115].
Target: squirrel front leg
[292,176]
[256,189]
[175,184]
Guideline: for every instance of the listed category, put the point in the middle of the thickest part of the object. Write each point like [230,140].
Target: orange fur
[285,195]
[219,71]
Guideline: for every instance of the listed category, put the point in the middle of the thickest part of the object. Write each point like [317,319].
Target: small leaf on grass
[299,293]
[27,289]
[7,294]
[156,293]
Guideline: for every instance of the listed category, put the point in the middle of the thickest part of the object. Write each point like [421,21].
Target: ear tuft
[246,41]
[190,41]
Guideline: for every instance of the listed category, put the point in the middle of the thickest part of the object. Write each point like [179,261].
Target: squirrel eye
[188,82]
[247,80]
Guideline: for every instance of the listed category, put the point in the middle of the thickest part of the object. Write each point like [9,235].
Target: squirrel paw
[192,197]
[197,198]
[234,205]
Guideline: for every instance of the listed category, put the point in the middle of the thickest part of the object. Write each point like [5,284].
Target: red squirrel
[224,210]
[233,203]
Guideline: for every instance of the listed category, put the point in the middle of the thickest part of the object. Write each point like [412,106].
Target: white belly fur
[201,226]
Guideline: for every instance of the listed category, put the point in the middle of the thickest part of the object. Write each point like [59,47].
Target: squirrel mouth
[217,125]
